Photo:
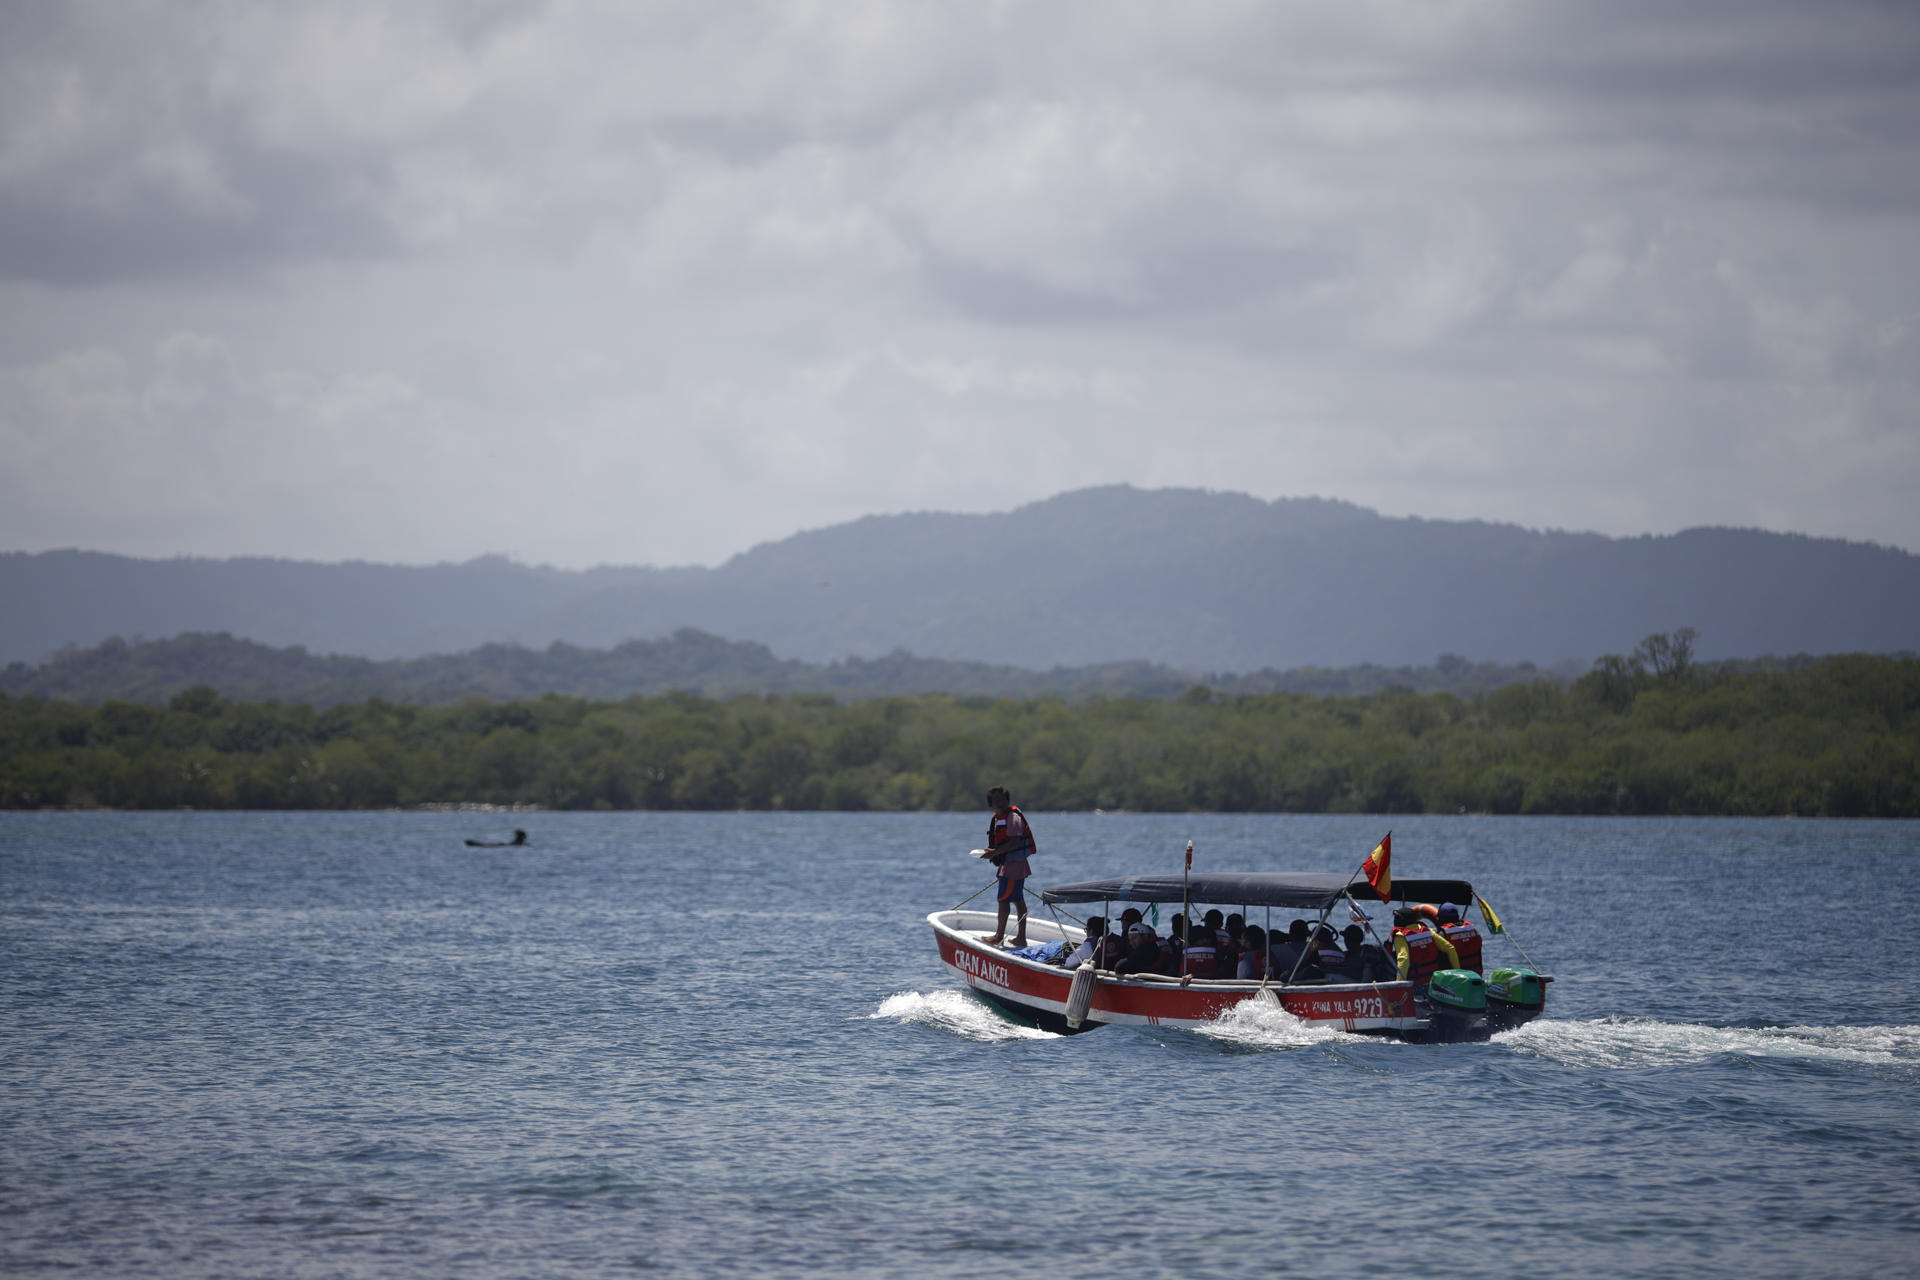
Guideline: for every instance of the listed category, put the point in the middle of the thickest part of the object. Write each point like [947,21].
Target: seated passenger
[1173,945]
[1283,955]
[1216,922]
[1365,962]
[1201,959]
[1143,951]
[1236,927]
[1327,953]
[1299,942]
[1253,953]
[1092,947]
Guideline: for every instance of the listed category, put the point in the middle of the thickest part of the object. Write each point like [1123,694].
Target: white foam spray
[1645,1042]
[957,1012]
[1263,1024]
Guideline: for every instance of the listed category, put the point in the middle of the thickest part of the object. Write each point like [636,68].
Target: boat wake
[957,1012]
[1644,1042]
[1258,1024]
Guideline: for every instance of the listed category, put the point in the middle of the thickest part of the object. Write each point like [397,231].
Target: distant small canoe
[519,838]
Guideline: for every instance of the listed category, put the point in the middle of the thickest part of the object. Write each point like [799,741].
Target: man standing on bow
[1009,844]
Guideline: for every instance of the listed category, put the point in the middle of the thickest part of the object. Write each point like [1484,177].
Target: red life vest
[1423,957]
[1201,961]
[1330,959]
[1010,839]
[1466,940]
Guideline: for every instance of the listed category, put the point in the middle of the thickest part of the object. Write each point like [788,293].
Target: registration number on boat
[1348,1007]
[980,967]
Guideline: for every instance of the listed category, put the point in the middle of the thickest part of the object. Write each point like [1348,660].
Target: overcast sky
[651,283]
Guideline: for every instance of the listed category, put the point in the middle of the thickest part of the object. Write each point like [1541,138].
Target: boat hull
[1037,993]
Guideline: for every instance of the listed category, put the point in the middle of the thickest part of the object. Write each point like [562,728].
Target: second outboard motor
[1515,996]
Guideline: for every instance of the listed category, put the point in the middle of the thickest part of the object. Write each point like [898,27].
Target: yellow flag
[1486,913]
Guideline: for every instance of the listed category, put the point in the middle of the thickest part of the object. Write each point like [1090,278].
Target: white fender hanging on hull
[1080,996]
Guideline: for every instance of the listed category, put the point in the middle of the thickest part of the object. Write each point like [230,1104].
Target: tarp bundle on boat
[1301,890]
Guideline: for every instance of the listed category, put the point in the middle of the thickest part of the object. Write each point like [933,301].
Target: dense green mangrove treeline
[1645,734]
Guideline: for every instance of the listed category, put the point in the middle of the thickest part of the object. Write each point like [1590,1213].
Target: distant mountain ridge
[1195,580]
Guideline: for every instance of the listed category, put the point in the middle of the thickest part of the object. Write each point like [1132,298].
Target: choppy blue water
[346,1045]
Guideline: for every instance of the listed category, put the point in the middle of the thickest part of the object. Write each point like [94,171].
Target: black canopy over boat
[1300,890]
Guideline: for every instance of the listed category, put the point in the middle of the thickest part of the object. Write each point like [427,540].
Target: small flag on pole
[1486,913]
[1378,869]
[1189,855]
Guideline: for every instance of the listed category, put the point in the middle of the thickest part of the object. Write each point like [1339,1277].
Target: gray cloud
[587,283]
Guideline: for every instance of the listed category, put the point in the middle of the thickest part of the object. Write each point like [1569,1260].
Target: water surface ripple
[709,1044]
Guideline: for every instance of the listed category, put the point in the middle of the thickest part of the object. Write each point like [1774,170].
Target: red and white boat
[1073,1000]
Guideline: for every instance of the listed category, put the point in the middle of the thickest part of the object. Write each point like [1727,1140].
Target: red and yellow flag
[1379,874]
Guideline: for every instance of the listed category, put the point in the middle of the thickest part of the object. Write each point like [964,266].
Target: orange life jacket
[1466,940]
[1010,842]
[1423,956]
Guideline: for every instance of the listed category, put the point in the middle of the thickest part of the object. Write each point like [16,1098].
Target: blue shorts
[1010,890]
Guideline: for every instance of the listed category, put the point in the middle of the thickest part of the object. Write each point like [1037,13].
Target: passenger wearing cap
[1143,950]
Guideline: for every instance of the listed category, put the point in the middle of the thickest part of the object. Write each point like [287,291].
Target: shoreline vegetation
[1648,733]
[688,661]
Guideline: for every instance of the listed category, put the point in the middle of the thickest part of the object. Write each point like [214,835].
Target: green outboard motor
[1458,999]
[1515,996]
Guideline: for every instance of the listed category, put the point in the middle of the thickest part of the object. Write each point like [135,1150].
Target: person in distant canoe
[519,837]
[1009,845]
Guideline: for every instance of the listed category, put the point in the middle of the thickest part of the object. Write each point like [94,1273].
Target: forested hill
[1197,581]
[1648,733]
[689,661]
